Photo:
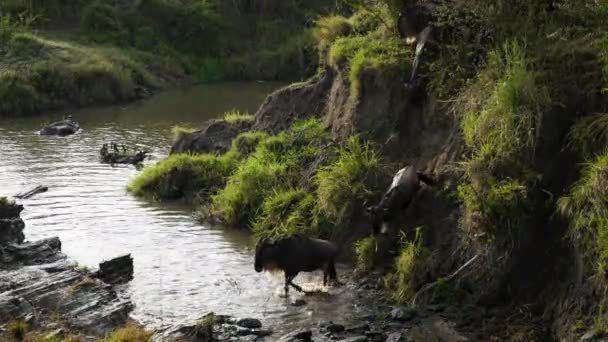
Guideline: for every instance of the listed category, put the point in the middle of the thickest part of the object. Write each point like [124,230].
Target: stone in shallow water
[335,328]
[355,339]
[298,335]
[116,271]
[250,323]
[403,314]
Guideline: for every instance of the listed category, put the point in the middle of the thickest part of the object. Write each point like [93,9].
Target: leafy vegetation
[181,131]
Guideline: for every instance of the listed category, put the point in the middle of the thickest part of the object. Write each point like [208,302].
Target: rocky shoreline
[41,286]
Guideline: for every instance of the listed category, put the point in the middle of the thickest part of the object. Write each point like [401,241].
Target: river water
[182,267]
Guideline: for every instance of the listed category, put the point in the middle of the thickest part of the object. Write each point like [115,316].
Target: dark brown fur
[297,254]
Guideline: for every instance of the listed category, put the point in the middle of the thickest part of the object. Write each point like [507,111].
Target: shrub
[328,29]
[349,179]
[589,134]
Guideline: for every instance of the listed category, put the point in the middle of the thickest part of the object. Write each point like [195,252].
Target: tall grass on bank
[184,176]
[348,180]
[502,134]
[586,208]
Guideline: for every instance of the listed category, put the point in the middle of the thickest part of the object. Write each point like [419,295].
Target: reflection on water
[181,267]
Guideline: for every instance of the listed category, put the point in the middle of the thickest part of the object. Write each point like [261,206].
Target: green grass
[184,176]
[17,330]
[204,327]
[386,57]
[129,333]
[367,253]
[290,211]
[246,143]
[502,132]
[586,208]
[181,131]
[40,73]
[330,28]
[348,180]
[589,134]
[237,117]
[409,269]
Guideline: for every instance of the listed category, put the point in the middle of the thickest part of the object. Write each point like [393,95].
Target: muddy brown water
[182,268]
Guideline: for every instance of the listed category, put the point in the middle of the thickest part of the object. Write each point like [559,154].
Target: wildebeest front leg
[289,282]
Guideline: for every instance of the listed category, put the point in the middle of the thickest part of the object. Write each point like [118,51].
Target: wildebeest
[61,128]
[295,254]
[404,187]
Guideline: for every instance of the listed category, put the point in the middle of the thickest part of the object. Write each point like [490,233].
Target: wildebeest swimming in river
[297,254]
[61,128]
[404,187]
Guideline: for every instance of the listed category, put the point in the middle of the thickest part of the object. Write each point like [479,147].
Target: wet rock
[593,336]
[224,319]
[436,307]
[215,137]
[11,224]
[298,335]
[299,302]
[403,314]
[190,330]
[32,253]
[375,335]
[250,323]
[358,329]
[335,328]
[396,337]
[116,271]
[355,339]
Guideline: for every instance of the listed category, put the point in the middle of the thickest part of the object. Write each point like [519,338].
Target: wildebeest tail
[426,179]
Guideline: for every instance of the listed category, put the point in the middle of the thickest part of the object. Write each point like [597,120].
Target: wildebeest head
[264,255]
[376,215]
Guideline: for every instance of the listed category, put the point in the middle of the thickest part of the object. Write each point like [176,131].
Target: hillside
[508,115]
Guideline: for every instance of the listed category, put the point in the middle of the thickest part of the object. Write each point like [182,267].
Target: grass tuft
[350,179]
[587,210]
[236,117]
[409,269]
[181,131]
[367,254]
[130,333]
[17,330]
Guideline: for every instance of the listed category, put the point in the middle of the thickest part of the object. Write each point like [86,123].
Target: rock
[436,307]
[116,271]
[395,337]
[358,329]
[298,335]
[375,335]
[403,314]
[296,101]
[224,319]
[32,253]
[11,224]
[355,339]
[216,137]
[299,302]
[250,323]
[593,336]
[189,330]
[335,328]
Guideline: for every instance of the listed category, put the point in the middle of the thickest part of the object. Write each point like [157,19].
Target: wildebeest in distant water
[295,254]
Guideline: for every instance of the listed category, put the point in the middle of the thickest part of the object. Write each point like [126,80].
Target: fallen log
[31,193]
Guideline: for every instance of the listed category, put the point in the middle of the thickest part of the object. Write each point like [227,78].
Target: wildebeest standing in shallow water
[297,254]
